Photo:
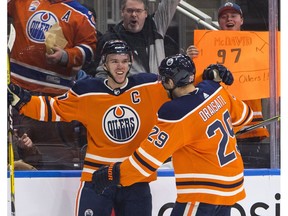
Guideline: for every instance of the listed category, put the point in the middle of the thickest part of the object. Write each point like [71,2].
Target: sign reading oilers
[121,123]
[38,24]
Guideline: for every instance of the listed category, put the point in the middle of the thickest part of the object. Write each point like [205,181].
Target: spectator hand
[106,176]
[21,165]
[218,73]
[192,52]
[59,56]
[25,141]
[17,96]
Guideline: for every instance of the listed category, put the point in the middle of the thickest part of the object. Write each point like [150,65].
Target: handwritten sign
[245,53]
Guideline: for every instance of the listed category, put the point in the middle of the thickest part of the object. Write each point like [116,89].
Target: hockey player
[118,113]
[197,127]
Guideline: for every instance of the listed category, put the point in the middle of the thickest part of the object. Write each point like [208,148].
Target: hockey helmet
[179,68]
[115,47]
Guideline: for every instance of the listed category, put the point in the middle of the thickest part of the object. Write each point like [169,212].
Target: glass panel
[66,152]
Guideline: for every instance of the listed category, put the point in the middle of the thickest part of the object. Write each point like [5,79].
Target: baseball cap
[230,6]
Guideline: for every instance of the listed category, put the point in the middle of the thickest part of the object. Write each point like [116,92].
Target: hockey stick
[10,148]
[12,37]
[261,124]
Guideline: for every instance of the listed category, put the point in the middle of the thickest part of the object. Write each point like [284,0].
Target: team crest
[121,124]
[88,212]
[38,24]
[169,61]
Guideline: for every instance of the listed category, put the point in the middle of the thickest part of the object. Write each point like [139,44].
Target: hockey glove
[17,96]
[218,73]
[106,176]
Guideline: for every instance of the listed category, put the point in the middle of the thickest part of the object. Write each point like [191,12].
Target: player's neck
[114,85]
[185,90]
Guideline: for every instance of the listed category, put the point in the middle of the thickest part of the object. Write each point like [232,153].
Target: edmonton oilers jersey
[117,120]
[31,19]
[198,130]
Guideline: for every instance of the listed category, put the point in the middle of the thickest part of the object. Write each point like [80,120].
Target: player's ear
[169,82]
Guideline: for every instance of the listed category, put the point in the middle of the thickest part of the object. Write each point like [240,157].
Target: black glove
[17,96]
[218,73]
[106,176]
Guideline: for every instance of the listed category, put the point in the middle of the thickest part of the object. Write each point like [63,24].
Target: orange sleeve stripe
[143,162]
[245,118]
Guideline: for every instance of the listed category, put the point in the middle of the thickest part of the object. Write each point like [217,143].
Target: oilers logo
[38,24]
[88,212]
[121,124]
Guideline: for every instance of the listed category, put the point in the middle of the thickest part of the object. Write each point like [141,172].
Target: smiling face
[118,66]
[134,15]
[230,20]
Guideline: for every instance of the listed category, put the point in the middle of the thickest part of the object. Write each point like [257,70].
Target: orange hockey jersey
[259,133]
[116,120]
[31,19]
[198,130]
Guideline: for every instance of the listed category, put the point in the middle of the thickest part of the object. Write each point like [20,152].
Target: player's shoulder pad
[89,85]
[81,9]
[176,109]
[179,107]
[208,86]
[77,6]
[142,78]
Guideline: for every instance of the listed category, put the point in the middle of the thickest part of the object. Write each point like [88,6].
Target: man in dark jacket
[144,33]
